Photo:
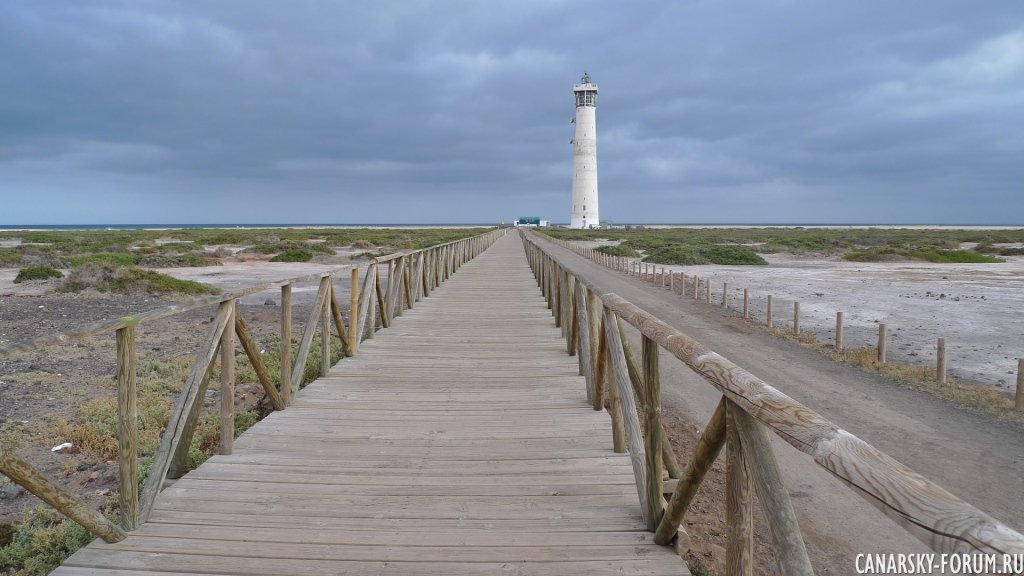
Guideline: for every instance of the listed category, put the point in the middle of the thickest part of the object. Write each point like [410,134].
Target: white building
[584,163]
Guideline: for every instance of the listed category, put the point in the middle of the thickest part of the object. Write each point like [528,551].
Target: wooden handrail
[938,518]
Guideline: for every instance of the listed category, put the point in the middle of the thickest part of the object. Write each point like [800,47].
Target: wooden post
[725,294]
[672,282]
[739,556]
[325,329]
[707,291]
[940,361]
[746,303]
[708,446]
[796,317]
[770,320]
[696,286]
[634,434]
[664,281]
[1018,404]
[286,344]
[881,343]
[839,330]
[29,478]
[783,528]
[227,383]
[127,429]
[652,429]
[353,315]
[253,352]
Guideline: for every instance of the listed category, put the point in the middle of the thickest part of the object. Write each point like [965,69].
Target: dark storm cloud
[780,111]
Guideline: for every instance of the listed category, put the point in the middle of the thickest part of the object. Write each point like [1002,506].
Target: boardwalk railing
[592,322]
[411,275]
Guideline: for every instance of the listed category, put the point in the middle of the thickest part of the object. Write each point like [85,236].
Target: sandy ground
[977,308]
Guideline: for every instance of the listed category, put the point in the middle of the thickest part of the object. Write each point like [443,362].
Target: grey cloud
[784,111]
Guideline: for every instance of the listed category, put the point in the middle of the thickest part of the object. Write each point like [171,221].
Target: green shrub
[293,255]
[41,542]
[622,249]
[10,257]
[37,273]
[676,254]
[114,258]
[190,260]
[741,255]
[108,278]
[704,254]
[955,257]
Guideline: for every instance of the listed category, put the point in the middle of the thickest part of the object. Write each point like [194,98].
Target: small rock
[103,492]
[270,302]
[11,492]
[62,448]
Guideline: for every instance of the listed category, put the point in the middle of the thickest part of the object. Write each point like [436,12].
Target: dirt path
[971,455]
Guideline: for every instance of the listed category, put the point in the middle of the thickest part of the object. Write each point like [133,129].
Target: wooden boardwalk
[458,441]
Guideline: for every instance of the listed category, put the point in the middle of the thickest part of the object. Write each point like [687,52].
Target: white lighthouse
[584,161]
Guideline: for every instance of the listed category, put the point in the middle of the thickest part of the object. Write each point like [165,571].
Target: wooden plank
[634,435]
[308,332]
[286,344]
[252,351]
[24,475]
[227,383]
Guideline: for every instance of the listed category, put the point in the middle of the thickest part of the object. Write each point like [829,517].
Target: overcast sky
[445,112]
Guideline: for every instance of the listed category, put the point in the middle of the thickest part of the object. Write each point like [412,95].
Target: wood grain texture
[174,443]
[739,504]
[252,351]
[704,454]
[23,474]
[763,470]
[286,345]
[634,434]
[127,428]
[227,383]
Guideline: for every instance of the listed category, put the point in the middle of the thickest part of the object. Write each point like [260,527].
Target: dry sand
[977,308]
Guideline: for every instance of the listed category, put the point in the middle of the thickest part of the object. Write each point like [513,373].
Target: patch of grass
[704,254]
[108,278]
[363,244]
[113,258]
[982,399]
[41,542]
[190,260]
[10,257]
[621,249]
[37,273]
[293,255]
[955,257]
[282,247]
[35,377]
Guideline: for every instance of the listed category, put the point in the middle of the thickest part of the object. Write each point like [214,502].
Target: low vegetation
[114,279]
[983,399]
[41,542]
[621,249]
[704,254]
[293,255]
[685,245]
[37,273]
